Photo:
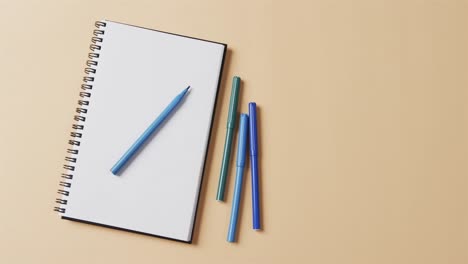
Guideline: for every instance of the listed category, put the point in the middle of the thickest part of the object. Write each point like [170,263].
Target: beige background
[364,130]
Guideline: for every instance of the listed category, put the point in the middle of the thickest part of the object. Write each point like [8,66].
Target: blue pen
[254,165]
[241,153]
[148,132]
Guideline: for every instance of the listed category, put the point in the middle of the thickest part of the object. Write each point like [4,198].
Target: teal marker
[229,137]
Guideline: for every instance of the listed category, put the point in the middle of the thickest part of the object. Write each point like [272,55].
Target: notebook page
[139,72]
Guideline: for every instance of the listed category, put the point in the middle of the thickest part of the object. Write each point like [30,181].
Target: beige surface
[363,130]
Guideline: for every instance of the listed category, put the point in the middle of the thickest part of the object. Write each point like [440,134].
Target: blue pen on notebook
[148,132]
[254,165]
[241,153]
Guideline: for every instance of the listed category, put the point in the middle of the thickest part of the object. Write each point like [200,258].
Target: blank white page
[139,73]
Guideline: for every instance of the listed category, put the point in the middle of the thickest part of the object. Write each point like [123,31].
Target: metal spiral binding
[80,116]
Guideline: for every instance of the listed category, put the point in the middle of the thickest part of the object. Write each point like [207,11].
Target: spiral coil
[80,117]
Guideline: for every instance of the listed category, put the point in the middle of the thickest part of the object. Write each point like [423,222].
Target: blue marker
[241,153]
[254,165]
[148,132]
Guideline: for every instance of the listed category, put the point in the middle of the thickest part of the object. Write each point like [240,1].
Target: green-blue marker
[229,137]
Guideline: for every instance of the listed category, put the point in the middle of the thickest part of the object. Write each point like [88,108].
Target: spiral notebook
[131,76]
